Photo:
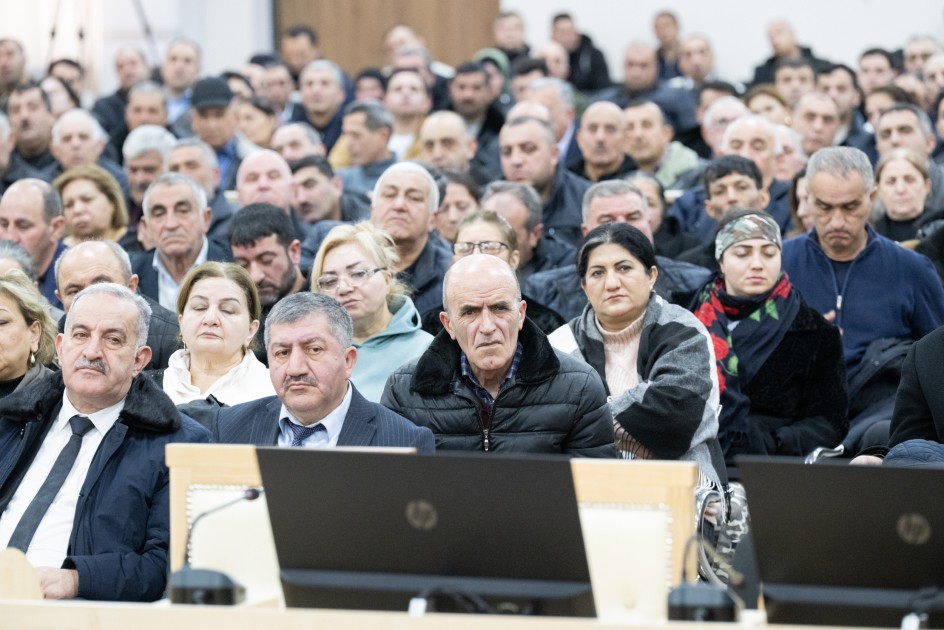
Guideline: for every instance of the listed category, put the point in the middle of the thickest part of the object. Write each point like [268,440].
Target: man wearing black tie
[309,340]
[83,486]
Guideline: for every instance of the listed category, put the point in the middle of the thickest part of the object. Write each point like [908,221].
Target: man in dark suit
[309,339]
[176,218]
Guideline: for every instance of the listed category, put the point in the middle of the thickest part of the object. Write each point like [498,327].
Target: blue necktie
[36,510]
[301,433]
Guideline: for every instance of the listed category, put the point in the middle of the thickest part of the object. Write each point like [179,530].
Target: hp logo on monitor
[421,515]
[913,528]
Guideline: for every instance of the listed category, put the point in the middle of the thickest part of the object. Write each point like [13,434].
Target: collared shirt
[178,106]
[473,383]
[51,541]
[167,287]
[320,439]
[226,156]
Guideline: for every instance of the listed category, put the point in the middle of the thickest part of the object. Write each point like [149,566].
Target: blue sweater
[888,292]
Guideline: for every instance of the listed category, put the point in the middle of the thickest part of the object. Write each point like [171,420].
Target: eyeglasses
[464,248]
[329,282]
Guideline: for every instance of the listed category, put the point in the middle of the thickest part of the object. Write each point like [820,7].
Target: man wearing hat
[213,119]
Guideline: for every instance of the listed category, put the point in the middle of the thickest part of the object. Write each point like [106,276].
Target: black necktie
[301,433]
[33,516]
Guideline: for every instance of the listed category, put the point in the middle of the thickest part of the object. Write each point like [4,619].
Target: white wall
[229,31]
[836,30]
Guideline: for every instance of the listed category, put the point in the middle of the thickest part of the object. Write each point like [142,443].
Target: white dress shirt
[320,439]
[249,380]
[167,287]
[51,541]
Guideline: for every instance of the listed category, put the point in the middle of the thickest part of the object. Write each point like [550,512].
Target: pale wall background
[231,30]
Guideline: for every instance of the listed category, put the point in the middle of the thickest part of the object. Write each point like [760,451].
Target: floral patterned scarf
[762,322]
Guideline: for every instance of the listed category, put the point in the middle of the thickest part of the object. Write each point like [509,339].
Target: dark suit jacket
[141,264]
[366,424]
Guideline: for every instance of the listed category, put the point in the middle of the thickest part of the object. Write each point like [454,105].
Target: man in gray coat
[491,380]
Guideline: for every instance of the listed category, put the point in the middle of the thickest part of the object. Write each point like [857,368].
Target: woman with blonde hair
[355,266]
[93,206]
[27,333]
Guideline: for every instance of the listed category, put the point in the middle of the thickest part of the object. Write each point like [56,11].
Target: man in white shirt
[176,217]
[83,486]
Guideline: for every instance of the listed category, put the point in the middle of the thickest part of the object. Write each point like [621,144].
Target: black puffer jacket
[556,403]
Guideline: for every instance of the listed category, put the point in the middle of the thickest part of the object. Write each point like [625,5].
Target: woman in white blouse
[218,308]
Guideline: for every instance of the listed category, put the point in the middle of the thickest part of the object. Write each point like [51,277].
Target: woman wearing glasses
[354,265]
[487,232]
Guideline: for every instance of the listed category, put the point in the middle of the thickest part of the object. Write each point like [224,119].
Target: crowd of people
[515,254]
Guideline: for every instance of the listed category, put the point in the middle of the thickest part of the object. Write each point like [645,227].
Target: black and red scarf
[762,322]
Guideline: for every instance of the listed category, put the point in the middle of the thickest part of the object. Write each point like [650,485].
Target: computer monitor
[846,545]
[368,530]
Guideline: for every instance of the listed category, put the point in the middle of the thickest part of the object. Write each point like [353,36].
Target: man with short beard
[263,242]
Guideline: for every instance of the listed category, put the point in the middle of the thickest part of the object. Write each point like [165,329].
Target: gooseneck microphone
[206,586]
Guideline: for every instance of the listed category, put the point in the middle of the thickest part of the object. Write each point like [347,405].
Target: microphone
[206,586]
[249,494]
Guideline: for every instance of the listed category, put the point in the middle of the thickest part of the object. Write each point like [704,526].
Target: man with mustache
[85,492]
[31,120]
[309,339]
[875,291]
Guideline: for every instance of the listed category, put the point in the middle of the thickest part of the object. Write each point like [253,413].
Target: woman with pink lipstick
[779,363]
[218,310]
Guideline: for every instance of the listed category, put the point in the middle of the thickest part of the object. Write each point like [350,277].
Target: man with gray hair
[881,296]
[520,205]
[490,380]
[558,97]
[605,202]
[91,433]
[94,262]
[31,217]
[197,160]
[366,128]
[146,105]
[321,86]
[309,342]
[144,150]
[907,126]
[294,141]
[176,218]
[77,139]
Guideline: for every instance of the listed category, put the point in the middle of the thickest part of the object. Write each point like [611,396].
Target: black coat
[798,397]
[919,404]
[556,403]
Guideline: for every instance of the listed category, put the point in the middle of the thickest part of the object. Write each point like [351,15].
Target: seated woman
[354,265]
[27,333]
[654,357]
[93,206]
[779,363]
[461,199]
[257,120]
[218,309]
[488,232]
[903,185]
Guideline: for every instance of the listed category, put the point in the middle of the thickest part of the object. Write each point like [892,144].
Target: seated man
[881,296]
[606,202]
[308,337]
[93,262]
[491,381]
[92,512]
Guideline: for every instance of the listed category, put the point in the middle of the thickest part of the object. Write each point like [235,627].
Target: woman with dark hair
[256,118]
[654,357]
[218,308]
[779,364]
[800,217]
[461,199]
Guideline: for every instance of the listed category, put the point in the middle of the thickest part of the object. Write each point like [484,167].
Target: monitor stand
[393,591]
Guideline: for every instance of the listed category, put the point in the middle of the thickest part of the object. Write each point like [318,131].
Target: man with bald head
[445,142]
[93,262]
[265,177]
[641,81]
[783,44]
[491,368]
[31,217]
[600,137]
